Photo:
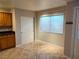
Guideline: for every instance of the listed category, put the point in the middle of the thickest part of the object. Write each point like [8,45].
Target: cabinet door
[11,41]
[9,19]
[1,19]
[3,43]
[5,19]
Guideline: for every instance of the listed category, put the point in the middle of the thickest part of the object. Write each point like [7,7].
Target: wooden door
[3,43]
[5,19]
[1,19]
[7,42]
[9,19]
[11,41]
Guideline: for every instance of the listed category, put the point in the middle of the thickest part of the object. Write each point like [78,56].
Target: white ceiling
[34,5]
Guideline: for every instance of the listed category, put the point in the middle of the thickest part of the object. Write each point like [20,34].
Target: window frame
[50,15]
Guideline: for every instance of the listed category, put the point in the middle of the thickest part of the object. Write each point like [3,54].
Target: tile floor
[37,50]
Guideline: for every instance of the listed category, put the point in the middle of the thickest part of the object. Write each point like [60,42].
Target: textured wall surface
[69,28]
[18,14]
[57,39]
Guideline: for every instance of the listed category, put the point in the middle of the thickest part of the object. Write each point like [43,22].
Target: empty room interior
[39,29]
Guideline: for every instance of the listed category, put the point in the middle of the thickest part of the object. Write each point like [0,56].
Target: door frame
[73,43]
[34,28]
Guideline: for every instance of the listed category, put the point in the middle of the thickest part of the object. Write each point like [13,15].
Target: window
[53,23]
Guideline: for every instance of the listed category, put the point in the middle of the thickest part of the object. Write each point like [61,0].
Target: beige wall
[13,20]
[68,29]
[18,14]
[57,39]
[5,10]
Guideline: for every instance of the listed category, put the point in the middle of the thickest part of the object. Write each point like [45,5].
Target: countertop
[6,33]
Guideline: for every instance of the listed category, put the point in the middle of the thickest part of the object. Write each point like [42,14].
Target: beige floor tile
[38,50]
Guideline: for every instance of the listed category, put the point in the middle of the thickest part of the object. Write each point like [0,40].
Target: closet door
[27,30]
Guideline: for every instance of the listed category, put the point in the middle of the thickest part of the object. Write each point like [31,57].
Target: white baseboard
[19,45]
[68,57]
[24,44]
